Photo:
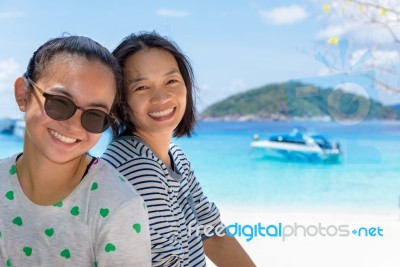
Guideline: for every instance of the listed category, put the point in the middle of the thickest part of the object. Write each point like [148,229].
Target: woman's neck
[46,182]
[159,144]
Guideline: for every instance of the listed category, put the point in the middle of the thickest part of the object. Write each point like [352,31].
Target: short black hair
[134,43]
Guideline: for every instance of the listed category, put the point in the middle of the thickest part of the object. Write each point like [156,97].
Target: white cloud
[9,71]
[163,12]
[336,30]
[284,15]
[11,15]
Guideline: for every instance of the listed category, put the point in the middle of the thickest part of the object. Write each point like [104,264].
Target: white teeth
[62,138]
[161,113]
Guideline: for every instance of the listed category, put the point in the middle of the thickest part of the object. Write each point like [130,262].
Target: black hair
[134,43]
[75,46]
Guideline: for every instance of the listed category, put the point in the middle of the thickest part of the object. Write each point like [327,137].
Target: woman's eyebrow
[60,90]
[135,80]
[139,78]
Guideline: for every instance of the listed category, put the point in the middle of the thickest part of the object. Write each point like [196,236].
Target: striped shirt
[175,201]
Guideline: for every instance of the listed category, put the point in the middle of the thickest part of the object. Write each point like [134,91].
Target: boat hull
[298,152]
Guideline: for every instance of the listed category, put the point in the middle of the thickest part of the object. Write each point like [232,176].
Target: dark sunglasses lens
[59,108]
[95,121]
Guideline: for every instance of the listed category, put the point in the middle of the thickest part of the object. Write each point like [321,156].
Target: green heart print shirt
[103,222]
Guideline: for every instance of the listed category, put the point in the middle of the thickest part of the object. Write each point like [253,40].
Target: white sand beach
[350,250]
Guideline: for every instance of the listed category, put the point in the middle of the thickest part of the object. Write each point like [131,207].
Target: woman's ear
[21,93]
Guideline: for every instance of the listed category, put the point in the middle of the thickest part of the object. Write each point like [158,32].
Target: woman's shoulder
[127,145]
[181,161]
[7,170]
[175,150]
[177,153]
[125,148]
[9,160]
[7,164]
[108,181]
[108,194]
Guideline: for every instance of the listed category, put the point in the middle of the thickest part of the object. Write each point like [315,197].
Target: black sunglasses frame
[49,97]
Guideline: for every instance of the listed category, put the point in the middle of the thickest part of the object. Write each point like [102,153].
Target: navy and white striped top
[174,200]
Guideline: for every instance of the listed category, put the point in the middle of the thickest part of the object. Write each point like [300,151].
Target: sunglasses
[61,108]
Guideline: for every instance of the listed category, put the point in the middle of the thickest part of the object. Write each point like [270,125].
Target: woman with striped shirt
[159,104]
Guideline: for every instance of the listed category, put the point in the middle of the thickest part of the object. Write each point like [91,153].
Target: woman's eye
[172,81]
[140,88]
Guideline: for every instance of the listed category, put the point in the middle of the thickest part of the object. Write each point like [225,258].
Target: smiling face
[88,85]
[157,92]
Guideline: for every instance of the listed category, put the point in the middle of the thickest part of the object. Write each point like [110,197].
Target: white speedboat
[299,146]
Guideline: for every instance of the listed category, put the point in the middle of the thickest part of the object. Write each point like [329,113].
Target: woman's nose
[161,95]
[73,123]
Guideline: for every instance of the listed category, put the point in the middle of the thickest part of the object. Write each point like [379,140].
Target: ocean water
[232,173]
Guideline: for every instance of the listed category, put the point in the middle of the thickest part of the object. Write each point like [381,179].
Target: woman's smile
[162,115]
[61,137]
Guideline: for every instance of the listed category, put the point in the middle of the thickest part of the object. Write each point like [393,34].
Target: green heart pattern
[104,212]
[13,169]
[137,227]
[110,247]
[49,232]
[75,211]
[94,186]
[65,253]
[58,204]
[27,251]
[17,221]
[10,195]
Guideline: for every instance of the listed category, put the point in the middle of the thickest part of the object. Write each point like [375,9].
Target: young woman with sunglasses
[59,205]
[158,103]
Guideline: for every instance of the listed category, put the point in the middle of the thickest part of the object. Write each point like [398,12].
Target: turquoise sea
[232,173]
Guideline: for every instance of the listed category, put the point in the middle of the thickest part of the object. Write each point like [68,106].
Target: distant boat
[7,126]
[300,147]
[19,128]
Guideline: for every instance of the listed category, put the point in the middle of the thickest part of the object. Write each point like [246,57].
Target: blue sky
[233,45]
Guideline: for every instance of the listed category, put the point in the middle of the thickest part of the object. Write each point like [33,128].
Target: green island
[296,101]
